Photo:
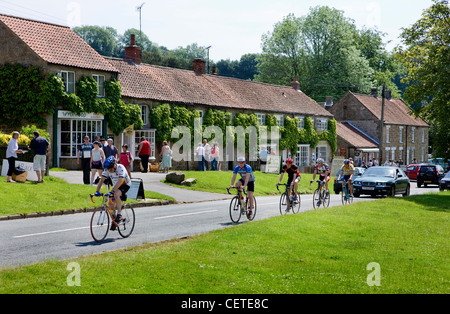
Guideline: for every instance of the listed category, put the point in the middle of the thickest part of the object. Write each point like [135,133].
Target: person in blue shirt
[247,180]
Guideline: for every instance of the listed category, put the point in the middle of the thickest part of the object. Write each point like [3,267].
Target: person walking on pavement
[39,145]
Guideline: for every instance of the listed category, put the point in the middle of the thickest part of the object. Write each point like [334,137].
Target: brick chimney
[374,92]
[295,84]
[199,66]
[133,52]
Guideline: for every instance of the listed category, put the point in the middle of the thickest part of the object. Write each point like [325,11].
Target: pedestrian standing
[126,158]
[110,149]
[97,160]
[144,153]
[215,151]
[200,151]
[11,155]
[166,154]
[84,153]
[39,145]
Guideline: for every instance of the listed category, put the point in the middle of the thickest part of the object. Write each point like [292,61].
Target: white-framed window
[69,81]
[401,133]
[280,119]
[388,128]
[302,156]
[149,136]
[322,124]
[321,152]
[100,79]
[261,118]
[423,137]
[301,122]
[413,135]
[72,133]
[144,115]
[393,149]
[423,154]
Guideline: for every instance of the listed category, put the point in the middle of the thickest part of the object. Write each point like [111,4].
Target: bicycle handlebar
[243,190]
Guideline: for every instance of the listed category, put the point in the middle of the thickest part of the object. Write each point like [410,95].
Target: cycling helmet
[241,159]
[347,161]
[289,161]
[319,160]
[109,162]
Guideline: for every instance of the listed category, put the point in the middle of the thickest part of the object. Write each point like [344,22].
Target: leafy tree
[426,58]
[101,39]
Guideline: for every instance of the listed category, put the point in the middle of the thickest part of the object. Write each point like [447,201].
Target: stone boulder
[175,177]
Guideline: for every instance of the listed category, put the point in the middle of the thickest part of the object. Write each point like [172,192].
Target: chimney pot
[295,84]
[133,52]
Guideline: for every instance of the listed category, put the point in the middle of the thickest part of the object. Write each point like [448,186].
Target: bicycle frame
[106,199]
[241,198]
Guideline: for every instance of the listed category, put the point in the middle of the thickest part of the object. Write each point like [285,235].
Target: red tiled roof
[354,136]
[186,87]
[395,110]
[56,44]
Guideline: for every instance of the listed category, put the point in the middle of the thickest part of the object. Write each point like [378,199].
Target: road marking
[187,214]
[48,232]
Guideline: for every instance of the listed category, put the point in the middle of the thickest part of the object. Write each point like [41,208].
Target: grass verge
[54,194]
[324,251]
[218,181]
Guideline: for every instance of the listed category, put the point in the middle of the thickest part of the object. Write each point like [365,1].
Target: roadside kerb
[83,210]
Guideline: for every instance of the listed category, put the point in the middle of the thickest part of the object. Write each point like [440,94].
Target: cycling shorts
[250,185]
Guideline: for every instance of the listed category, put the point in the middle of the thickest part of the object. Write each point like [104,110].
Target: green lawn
[218,181]
[54,194]
[324,251]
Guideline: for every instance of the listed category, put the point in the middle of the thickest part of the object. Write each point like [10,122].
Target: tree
[101,39]
[320,50]
[426,58]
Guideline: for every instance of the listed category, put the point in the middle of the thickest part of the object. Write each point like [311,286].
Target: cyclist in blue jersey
[247,180]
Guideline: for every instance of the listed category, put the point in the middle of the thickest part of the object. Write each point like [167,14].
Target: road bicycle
[239,206]
[346,197]
[320,196]
[294,202]
[104,215]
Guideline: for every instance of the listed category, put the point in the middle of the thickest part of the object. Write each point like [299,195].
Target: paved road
[33,240]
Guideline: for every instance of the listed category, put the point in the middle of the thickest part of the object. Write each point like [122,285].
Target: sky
[231,27]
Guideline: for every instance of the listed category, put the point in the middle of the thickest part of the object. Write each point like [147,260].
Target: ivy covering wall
[27,96]
[164,117]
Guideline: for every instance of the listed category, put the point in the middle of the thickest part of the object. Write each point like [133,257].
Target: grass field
[54,194]
[324,251]
[218,181]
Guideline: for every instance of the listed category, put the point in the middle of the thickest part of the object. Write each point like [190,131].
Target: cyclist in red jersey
[324,173]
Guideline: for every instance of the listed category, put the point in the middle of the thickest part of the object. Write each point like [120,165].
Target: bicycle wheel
[283,204]
[344,197]
[317,201]
[127,226]
[235,209]
[100,224]
[325,198]
[296,204]
[252,216]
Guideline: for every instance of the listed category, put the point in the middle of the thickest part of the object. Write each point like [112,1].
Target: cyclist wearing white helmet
[247,180]
[121,184]
[324,173]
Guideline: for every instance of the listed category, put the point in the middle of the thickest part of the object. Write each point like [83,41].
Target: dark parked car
[382,181]
[429,174]
[445,182]
[338,184]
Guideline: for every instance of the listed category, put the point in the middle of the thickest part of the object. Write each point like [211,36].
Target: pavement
[152,182]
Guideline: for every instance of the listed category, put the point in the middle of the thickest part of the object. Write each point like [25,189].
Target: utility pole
[381,146]
[139,8]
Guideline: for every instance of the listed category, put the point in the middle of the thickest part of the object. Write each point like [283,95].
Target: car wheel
[419,184]
[392,191]
[408,190]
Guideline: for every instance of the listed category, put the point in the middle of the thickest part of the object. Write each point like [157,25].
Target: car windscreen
[447,176]
[380,172]
[424,169]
